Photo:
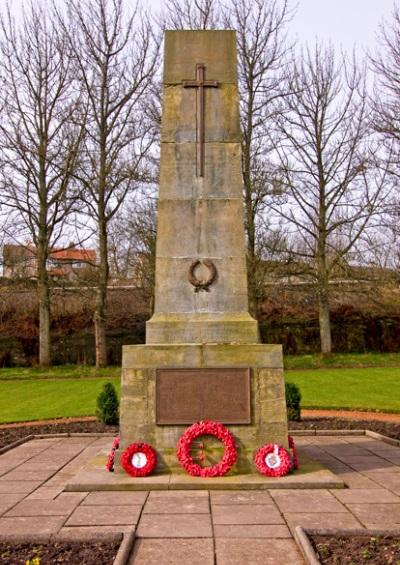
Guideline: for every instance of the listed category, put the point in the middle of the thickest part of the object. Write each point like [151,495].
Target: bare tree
[116,57]
[326,165]
[386,104]
[191,14]
[262,52]
[386,118]
[39,140]
[133,246]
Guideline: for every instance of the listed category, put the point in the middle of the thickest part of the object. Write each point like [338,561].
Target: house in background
[19,261]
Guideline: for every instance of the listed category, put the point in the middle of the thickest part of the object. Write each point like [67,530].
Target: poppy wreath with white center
[273,460]
[128,463]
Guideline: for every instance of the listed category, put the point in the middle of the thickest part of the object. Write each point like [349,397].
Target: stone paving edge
[127,540]
[302,538]
[16,443]
[383,438]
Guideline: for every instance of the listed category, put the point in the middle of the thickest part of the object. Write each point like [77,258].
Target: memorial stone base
[266,406]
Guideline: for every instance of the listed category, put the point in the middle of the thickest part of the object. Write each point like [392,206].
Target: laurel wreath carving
[202,284]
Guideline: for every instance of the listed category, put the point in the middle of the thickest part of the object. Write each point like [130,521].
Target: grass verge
[24,400]
[373,389]
[59,372]
[316,361]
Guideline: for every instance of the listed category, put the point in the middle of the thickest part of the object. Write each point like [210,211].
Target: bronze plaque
[185,396]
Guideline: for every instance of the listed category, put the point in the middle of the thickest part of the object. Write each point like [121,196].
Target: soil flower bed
[73,553]
[9,435]
[357,550]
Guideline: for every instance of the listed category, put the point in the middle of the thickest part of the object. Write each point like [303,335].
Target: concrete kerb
[16,443]
[328,433]
[127,540]
[383,438]
[302,538]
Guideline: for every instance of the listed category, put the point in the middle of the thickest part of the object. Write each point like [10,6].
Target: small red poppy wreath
[139,459]
[206,427]
[111,455]
[273,460]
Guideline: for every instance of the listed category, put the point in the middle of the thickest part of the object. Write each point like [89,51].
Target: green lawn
[375,388]
[23,400]
[59,372]
[315,361]
[35,394]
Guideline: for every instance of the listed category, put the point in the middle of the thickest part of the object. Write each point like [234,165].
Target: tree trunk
[324,323]
[323,300]
[44,308]
[100,327]
[100,315]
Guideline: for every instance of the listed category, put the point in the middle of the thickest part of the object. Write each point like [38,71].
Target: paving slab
[104,515]
[377,513]
[45,493]
[246,514]
[172,503]
[174,526]
[30,525]
[114,498]
[307,501]
[326,520]
[257,552]
[355,480]
[7,501]
[240,497]
[24,487]
[58,507]
[37,474]
[379,495]
[184,551]
[252,531]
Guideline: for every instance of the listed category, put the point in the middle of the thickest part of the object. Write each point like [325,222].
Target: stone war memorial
[202,359]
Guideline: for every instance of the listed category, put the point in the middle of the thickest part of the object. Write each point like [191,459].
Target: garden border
[123,554]
[301,536]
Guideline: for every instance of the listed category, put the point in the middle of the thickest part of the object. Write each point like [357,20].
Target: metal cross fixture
[200,83]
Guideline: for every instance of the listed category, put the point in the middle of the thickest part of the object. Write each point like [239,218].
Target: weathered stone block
[229,327]
[268,409]
[202,227]
[223,174]
[221,116]
[216,49]
[177,296]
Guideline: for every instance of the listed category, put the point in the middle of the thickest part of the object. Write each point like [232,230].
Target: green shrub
[293,398]
[107,405]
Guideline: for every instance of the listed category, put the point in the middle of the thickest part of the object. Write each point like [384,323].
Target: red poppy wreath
[111,455]
[273,460]
[206,427]
[139,459]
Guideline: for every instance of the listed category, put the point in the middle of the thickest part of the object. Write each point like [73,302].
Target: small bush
[107,405]
[293,398]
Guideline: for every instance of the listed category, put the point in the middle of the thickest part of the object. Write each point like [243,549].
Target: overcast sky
[345,22]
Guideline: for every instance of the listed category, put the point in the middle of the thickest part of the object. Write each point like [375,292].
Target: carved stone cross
[200,83]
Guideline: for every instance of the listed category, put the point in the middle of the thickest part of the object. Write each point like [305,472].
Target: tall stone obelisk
[202,359]
[200,235]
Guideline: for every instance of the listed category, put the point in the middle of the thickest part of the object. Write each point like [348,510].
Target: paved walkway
[200,527]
